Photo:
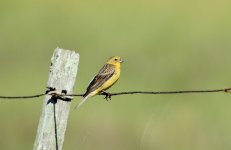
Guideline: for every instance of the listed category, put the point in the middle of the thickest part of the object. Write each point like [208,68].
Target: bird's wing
[105,73]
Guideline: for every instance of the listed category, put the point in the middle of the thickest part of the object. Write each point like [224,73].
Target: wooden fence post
[53,120]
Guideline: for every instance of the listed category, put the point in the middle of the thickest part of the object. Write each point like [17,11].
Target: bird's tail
[82,101]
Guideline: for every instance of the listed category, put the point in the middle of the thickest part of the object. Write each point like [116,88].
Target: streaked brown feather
[105,73]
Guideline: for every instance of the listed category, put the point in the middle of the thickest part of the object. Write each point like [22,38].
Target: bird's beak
[121,60]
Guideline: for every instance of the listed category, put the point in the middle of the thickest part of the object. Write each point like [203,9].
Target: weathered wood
[63,71]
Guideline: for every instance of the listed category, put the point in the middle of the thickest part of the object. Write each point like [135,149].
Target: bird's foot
[107,95]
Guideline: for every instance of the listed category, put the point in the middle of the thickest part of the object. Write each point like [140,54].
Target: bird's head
[115,60]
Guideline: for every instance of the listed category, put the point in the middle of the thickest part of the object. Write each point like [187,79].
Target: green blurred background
[167,45]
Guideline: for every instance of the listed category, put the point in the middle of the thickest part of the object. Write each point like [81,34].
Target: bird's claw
[107,96]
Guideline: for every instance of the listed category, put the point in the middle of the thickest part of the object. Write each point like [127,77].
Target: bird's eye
[115,59]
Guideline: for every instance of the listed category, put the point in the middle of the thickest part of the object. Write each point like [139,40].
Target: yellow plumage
[107,76]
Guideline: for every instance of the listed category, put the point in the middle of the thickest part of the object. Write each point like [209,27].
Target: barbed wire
[109,95]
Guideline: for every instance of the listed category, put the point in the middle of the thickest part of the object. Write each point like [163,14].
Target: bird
[107,76]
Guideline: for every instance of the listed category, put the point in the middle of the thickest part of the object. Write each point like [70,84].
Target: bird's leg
[107,95]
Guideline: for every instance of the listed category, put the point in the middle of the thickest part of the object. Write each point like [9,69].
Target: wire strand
[226,90]
[169,92]
[22,97]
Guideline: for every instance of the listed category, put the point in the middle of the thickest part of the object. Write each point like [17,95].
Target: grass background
[167,45]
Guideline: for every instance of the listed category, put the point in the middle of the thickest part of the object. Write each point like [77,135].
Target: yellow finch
[107,76]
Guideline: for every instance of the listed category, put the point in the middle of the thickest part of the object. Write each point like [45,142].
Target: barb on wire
[109,95]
